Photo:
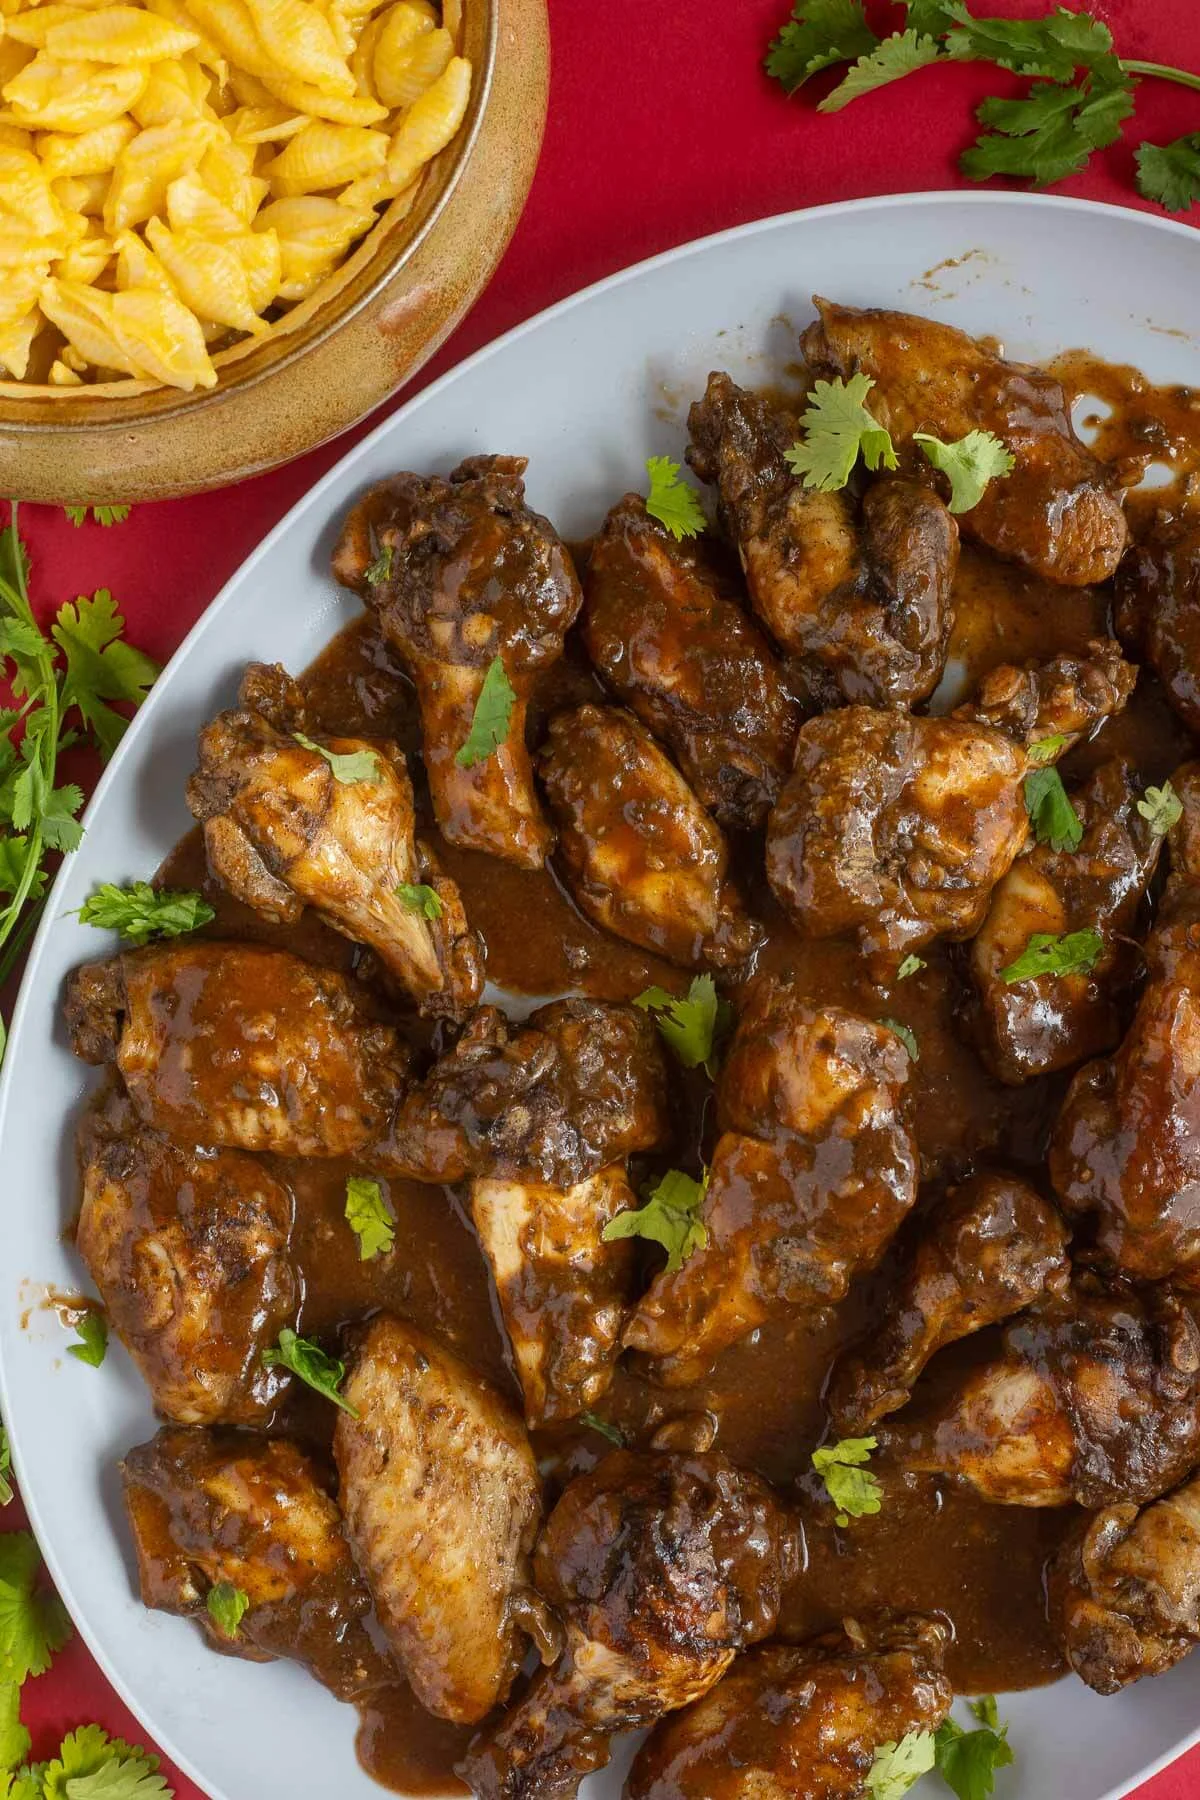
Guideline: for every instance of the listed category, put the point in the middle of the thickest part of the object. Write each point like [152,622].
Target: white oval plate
[587,391]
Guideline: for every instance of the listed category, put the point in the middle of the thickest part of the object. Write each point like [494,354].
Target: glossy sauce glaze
[931,1548]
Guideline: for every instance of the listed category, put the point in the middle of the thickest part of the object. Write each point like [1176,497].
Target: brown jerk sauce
[931,1547]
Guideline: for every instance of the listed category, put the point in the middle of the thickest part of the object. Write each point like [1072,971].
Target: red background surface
[662,127]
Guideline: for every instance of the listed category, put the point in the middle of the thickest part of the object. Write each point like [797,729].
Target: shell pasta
[175,175]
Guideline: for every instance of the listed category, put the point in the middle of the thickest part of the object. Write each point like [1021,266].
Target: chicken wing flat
[1123,1591]
[190,1252]
[442,1502]
[663,626]
[1158,614]
[282,831]
[813,1172]
[639,853]
[207,1507]
[461,572]
[1092,1397]
[1068,697]
[794,1720]
[1059,512]
[1032,1027]
[239,1047]
[862,598]
[660,1567]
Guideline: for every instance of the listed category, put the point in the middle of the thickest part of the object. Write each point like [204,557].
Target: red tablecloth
[662,127]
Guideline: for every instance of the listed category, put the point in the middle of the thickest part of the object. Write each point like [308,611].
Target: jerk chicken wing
[1058,512]
[237,1046]
[660,1568]
[813,1172]
[207,1507]
[462,572]
[806,1720]
[442,1502]
[663,627]
[989,1249]
[190,1252]
[283,830]
[1158,613]
[862,599]
[640,854]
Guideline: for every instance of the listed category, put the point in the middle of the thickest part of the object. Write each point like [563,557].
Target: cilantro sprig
[967,1760]
[1051,814]
[897,1767]
[491,718]
[671,501]
[839,427]
[323,1373]
[692,1024]
[1161,808]
[348,766]
[368,1217]
[416,897]
[969,464]
[854,1490]
[91,1328]
[670,1217]
[140,912]
[92,1766]
[1074,953]
[227,1606]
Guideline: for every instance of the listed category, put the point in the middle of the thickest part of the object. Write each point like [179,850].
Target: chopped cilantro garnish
[912,965]
[671,501]
[594,1422]
[324,1374]
[907,1037]
[381,569]
[1046,749]
[92,1330]
[897,1767]
[669,1217]
[1075,953]
[227,1606]
[838,429]
[419,899]
[967,1760]
[347,766]
[368,1217]
[1055,821]
[1161,807]
[969,463]
[491,718]
[691,1025]
[140,912]
[853,1489]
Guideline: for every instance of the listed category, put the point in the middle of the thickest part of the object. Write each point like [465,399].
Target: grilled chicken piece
[1033,1027]
[442,1503]
[813,1172]
[190,1252]
[1123,1591]
[639,853]
[236,1046]
[793,1720]
[229,1506]
[1059,512]
[1158,614]
[985,1252]
[471,574]
[664,627]
[863,597]
[282,831]
[1092,1397]
[898,828]
[660,1567]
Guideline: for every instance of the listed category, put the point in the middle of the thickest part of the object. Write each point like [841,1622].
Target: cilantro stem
[17,600]
[1163,71]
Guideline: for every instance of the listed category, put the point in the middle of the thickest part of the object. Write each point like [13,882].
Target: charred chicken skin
[861,596]
[665,630]
[462,572]
[659,1568]
[282,831]
[1059,512]
[801,1719]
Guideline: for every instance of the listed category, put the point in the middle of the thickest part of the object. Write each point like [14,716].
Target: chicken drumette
[664,627]
[660,1568]
[812,1174]
[283,830]
[190,1252]
[639,853]
[1123,1591]
[989,1249]
[462,572]
[207,1507]
[898,828]
[806,1720]
[1059,512]
[1158,613]
[241,1047]
[442,1503]
[862,598]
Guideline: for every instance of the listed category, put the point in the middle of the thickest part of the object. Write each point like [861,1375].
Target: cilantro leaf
[837,430]
[1161,807]
[692,1024]
[932,18]
[92,1330]
[347,767]
[1052,132]
[967,1760]
[898,55]
[1074,953]
[103,515]
[6,1492]
[140,912]
[852,1487]
[92,1766]
[420,899]
[907,1037]
[227,1607]
[381,569]
[1046,749]
[368,1217]
[61,830]
[33,1620]
[101,667]
[324,1374]
[821,33]
[1054,819]
[15,1741]
[1170,173]
[986,1710]
[671,501]
[1055,45]
[669,1217]
[970,462]
[491,718]
[912,965]
[594,1422]
[898,1766]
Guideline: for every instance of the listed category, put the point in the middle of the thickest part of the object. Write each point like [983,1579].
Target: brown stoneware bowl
[337,354]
